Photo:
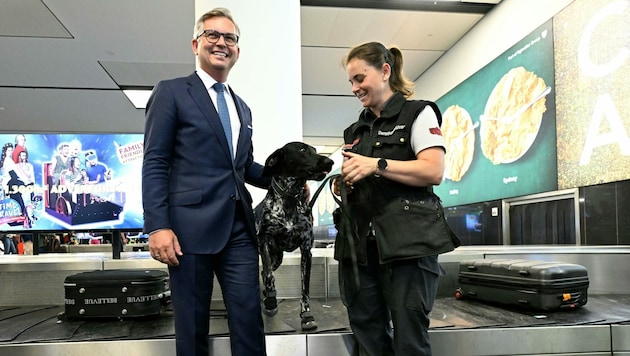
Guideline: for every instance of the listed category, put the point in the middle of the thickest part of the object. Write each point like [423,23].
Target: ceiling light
[138,98]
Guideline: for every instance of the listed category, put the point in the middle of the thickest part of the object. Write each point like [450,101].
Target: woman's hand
[356,167]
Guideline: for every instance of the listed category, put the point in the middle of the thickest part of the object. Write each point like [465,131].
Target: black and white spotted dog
[284,221]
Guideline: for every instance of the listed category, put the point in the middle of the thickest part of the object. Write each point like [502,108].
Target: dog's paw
[271,312]
[308,321]
[270,306]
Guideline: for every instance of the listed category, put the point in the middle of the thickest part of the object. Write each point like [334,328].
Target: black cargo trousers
[397,295]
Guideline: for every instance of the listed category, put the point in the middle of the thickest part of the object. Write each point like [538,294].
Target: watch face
[382,164]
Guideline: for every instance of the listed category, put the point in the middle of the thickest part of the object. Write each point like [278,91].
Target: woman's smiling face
[369,84]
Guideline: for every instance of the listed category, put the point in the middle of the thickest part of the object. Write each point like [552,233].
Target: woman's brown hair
[376,54]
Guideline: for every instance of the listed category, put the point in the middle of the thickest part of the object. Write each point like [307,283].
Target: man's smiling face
[217,59]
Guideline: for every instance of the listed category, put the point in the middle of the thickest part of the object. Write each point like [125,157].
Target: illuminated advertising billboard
[70,181]
[592,55]
[499,126]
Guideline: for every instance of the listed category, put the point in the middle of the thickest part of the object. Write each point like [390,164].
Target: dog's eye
[302,149]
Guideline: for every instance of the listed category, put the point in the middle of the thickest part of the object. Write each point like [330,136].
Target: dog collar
[278,188]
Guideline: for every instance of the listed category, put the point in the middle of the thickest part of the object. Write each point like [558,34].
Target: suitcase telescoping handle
[520,272]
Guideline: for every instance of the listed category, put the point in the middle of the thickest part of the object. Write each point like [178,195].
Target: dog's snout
[328,162]
[324,163]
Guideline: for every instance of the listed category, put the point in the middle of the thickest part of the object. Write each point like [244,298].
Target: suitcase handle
[521,272]
[165,297]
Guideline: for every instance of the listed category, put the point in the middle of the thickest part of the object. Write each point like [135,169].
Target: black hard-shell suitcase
[119,293]
[536,285]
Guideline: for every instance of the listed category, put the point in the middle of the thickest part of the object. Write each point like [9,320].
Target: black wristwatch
[382,164]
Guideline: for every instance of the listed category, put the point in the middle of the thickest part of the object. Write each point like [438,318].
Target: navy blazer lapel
[201,97]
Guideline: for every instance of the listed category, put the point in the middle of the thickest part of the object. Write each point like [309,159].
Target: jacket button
[377,143]
[233,197]
[402,140]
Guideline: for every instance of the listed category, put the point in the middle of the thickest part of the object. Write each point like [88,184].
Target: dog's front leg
[270,303]
[308,321]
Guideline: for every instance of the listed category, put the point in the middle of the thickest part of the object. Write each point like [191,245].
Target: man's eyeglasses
[213,37]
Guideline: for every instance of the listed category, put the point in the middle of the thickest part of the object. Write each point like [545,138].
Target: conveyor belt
[466,327]
[602,309]
[34,325]
[41,324]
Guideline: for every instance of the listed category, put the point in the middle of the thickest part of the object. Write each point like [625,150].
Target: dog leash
[319,190]
[350,231]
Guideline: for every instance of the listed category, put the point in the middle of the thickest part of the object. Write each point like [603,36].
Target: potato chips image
[512,116]
[459,139]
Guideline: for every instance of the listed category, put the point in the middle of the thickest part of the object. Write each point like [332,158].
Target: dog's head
[299,160]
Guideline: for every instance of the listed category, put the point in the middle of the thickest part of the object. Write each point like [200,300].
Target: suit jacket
[189,179]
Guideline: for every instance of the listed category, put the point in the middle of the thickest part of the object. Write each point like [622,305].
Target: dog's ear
[272,164]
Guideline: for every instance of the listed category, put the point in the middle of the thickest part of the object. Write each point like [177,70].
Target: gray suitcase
[537,285]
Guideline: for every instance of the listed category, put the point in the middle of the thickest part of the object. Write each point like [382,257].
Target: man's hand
[164,247]
[337,186]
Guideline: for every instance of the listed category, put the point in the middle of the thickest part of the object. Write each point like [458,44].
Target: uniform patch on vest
[350,146]
[435,131]
[389,133]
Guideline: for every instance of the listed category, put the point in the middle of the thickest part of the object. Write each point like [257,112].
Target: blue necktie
[224,114]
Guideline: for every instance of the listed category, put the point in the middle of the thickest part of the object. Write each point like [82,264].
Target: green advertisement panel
[499,126]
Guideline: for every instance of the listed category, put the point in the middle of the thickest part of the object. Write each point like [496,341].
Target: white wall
[268,74]
[505,25]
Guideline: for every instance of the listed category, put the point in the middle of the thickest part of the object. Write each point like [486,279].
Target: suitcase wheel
[459,294]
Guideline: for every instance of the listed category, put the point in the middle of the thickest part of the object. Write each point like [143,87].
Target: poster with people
[70,181]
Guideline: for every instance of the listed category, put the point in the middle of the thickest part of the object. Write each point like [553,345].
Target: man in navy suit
[197,210]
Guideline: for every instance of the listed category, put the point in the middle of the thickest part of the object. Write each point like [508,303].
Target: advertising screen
[70,181]
[499,126]
[592,54]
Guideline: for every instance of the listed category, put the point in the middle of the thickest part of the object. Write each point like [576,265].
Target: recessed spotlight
[138,98]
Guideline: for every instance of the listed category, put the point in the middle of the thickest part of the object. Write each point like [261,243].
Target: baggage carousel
[458,327]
